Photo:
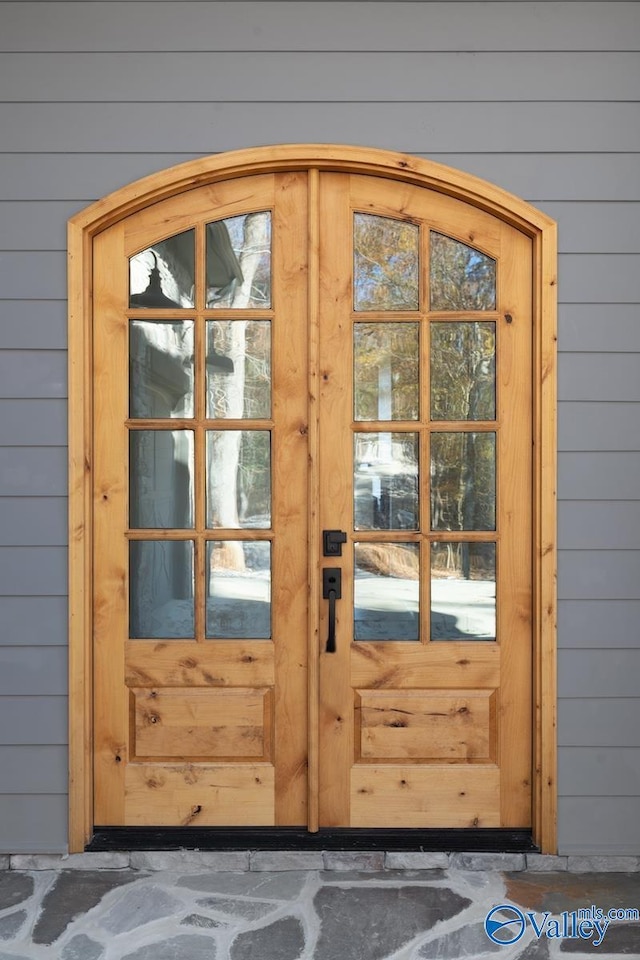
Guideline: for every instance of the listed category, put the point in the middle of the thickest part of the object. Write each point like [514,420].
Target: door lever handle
[331,591]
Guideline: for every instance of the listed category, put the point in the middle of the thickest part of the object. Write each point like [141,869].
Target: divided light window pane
[461,278]
[386,263]
[163,275]
[238,271]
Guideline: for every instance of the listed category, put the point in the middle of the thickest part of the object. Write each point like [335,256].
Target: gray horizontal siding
[523,127]
[533,96]
[320,76]
[33,621]
[33,373]
[588,377]
[27,570]
[29,422]
[599,723]
[318,26]
[598,771]
[33,521]
[33,671]
[599,673]
[599,574]
[33,720]
[536,177]
[33,472]
[598,476]
[598,623]
[598,328]
[23,326]
[597,825]
[33,823]
[604,525]
[33,769]
[598,427]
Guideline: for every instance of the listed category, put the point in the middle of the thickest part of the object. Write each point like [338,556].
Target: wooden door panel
[426,732]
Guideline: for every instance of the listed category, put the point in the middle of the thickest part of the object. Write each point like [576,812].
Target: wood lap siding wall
[541,99]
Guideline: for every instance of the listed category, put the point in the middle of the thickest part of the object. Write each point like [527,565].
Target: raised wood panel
[335,76]
[425,796]
[185,663]
[190,723]
[396,665]
[421,725]
[203,795]
[517,127]
[255,26]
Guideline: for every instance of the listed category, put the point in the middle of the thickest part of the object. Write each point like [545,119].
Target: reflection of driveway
[239,605]
[387,609]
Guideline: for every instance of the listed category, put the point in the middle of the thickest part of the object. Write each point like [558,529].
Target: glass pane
[161,589]
[463,591]
[463,371]
[239,262]
[463,481]
[386,358]
[238,590]
[385,263]
[161,478]
[163,275]
[239,369]
[239,478]
[160,369]
[461,278]
[386,481]
[386,591]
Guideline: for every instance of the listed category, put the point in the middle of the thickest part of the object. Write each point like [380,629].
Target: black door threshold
[495,840]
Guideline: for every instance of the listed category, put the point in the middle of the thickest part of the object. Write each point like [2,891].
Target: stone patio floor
[327,906]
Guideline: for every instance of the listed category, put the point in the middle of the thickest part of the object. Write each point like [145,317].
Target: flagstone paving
[291,914]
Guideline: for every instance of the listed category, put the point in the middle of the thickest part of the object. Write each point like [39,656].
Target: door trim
[314,158]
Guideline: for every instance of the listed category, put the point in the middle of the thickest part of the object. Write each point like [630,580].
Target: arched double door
[313,563]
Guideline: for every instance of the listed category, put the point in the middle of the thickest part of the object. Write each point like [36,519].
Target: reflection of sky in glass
[239,262]
[385,263]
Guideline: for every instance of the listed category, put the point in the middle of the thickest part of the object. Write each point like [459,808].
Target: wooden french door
[312,509]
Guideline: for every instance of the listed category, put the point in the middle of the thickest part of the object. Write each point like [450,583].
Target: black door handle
[331,591]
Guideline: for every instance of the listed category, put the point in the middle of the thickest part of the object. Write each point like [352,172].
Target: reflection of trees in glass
[224,494]
[386,260]
[463,371]
[222,357]
[386,371]
[461,278]
[233,246]
[463,481]
[464,560]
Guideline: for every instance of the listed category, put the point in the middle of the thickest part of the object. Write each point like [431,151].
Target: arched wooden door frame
[312,157]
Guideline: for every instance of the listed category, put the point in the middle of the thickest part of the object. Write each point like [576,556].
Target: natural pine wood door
[370,373]
[425,461]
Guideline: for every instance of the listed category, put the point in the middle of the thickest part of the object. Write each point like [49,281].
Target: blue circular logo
[505,924]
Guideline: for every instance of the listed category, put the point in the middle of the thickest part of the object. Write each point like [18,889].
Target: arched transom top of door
[315,508]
